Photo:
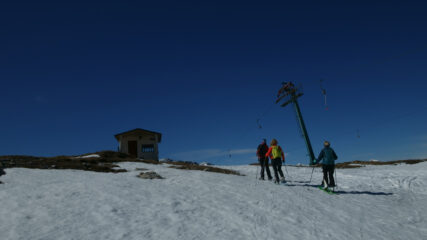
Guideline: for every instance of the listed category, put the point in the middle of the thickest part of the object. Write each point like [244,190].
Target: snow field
[375,202]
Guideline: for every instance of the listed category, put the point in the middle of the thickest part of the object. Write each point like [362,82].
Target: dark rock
[149,175]
[141,169]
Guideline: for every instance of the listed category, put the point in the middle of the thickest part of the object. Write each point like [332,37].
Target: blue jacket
[328,156]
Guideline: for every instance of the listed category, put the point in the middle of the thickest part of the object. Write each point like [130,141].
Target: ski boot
[324,185]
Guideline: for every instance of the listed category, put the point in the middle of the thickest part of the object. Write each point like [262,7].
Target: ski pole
[286,169]
[336,182]
[311,174]
[256,176]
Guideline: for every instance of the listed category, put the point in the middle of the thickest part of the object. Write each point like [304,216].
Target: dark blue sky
[73,74]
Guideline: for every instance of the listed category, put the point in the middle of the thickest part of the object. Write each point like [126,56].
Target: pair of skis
[327,190]
[282,181]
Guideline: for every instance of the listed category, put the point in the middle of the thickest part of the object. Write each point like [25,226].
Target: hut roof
[139,131]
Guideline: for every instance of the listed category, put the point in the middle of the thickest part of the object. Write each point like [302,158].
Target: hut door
[133,148]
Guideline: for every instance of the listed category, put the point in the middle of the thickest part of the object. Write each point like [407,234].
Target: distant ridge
[358,163]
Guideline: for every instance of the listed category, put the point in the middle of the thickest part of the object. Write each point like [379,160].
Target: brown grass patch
[104,163]
[355,164]
[150,161]
[195,166]
[141,169]
[150,175]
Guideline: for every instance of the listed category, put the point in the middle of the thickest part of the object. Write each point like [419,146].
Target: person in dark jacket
[328,156]
[2,172]
[263,160]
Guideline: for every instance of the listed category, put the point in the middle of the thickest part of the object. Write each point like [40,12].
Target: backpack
[276,152]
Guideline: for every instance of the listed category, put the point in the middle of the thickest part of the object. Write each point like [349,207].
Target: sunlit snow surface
[375,202]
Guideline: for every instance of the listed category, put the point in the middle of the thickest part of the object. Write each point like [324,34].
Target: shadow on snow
[364,192]
[340,191]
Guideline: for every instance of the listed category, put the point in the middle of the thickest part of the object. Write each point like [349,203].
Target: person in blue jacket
[328,156]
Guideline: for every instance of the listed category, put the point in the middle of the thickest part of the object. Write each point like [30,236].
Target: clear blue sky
[75,73]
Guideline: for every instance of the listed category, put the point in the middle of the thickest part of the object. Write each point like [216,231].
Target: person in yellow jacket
[277,156]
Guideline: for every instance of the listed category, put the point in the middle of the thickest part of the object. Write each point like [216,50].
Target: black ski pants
[263,162]
[328,175]
[277,167]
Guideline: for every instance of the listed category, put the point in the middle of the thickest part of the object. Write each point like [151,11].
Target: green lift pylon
[288,90]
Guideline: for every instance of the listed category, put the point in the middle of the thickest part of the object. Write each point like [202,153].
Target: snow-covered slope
[375,202]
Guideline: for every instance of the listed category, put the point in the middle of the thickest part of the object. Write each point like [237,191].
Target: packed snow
[374,202]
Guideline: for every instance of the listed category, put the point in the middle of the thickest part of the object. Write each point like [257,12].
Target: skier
[263,160]
[2,172]
[328,156]
[277,157]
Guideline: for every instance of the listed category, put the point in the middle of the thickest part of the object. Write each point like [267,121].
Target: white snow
[89,156]
[355,164]
[205,164]
[375,202]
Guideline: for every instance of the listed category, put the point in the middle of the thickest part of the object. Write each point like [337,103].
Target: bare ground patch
[150,161]
[150,175]
[104,163]
[355,164]
[195,166]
